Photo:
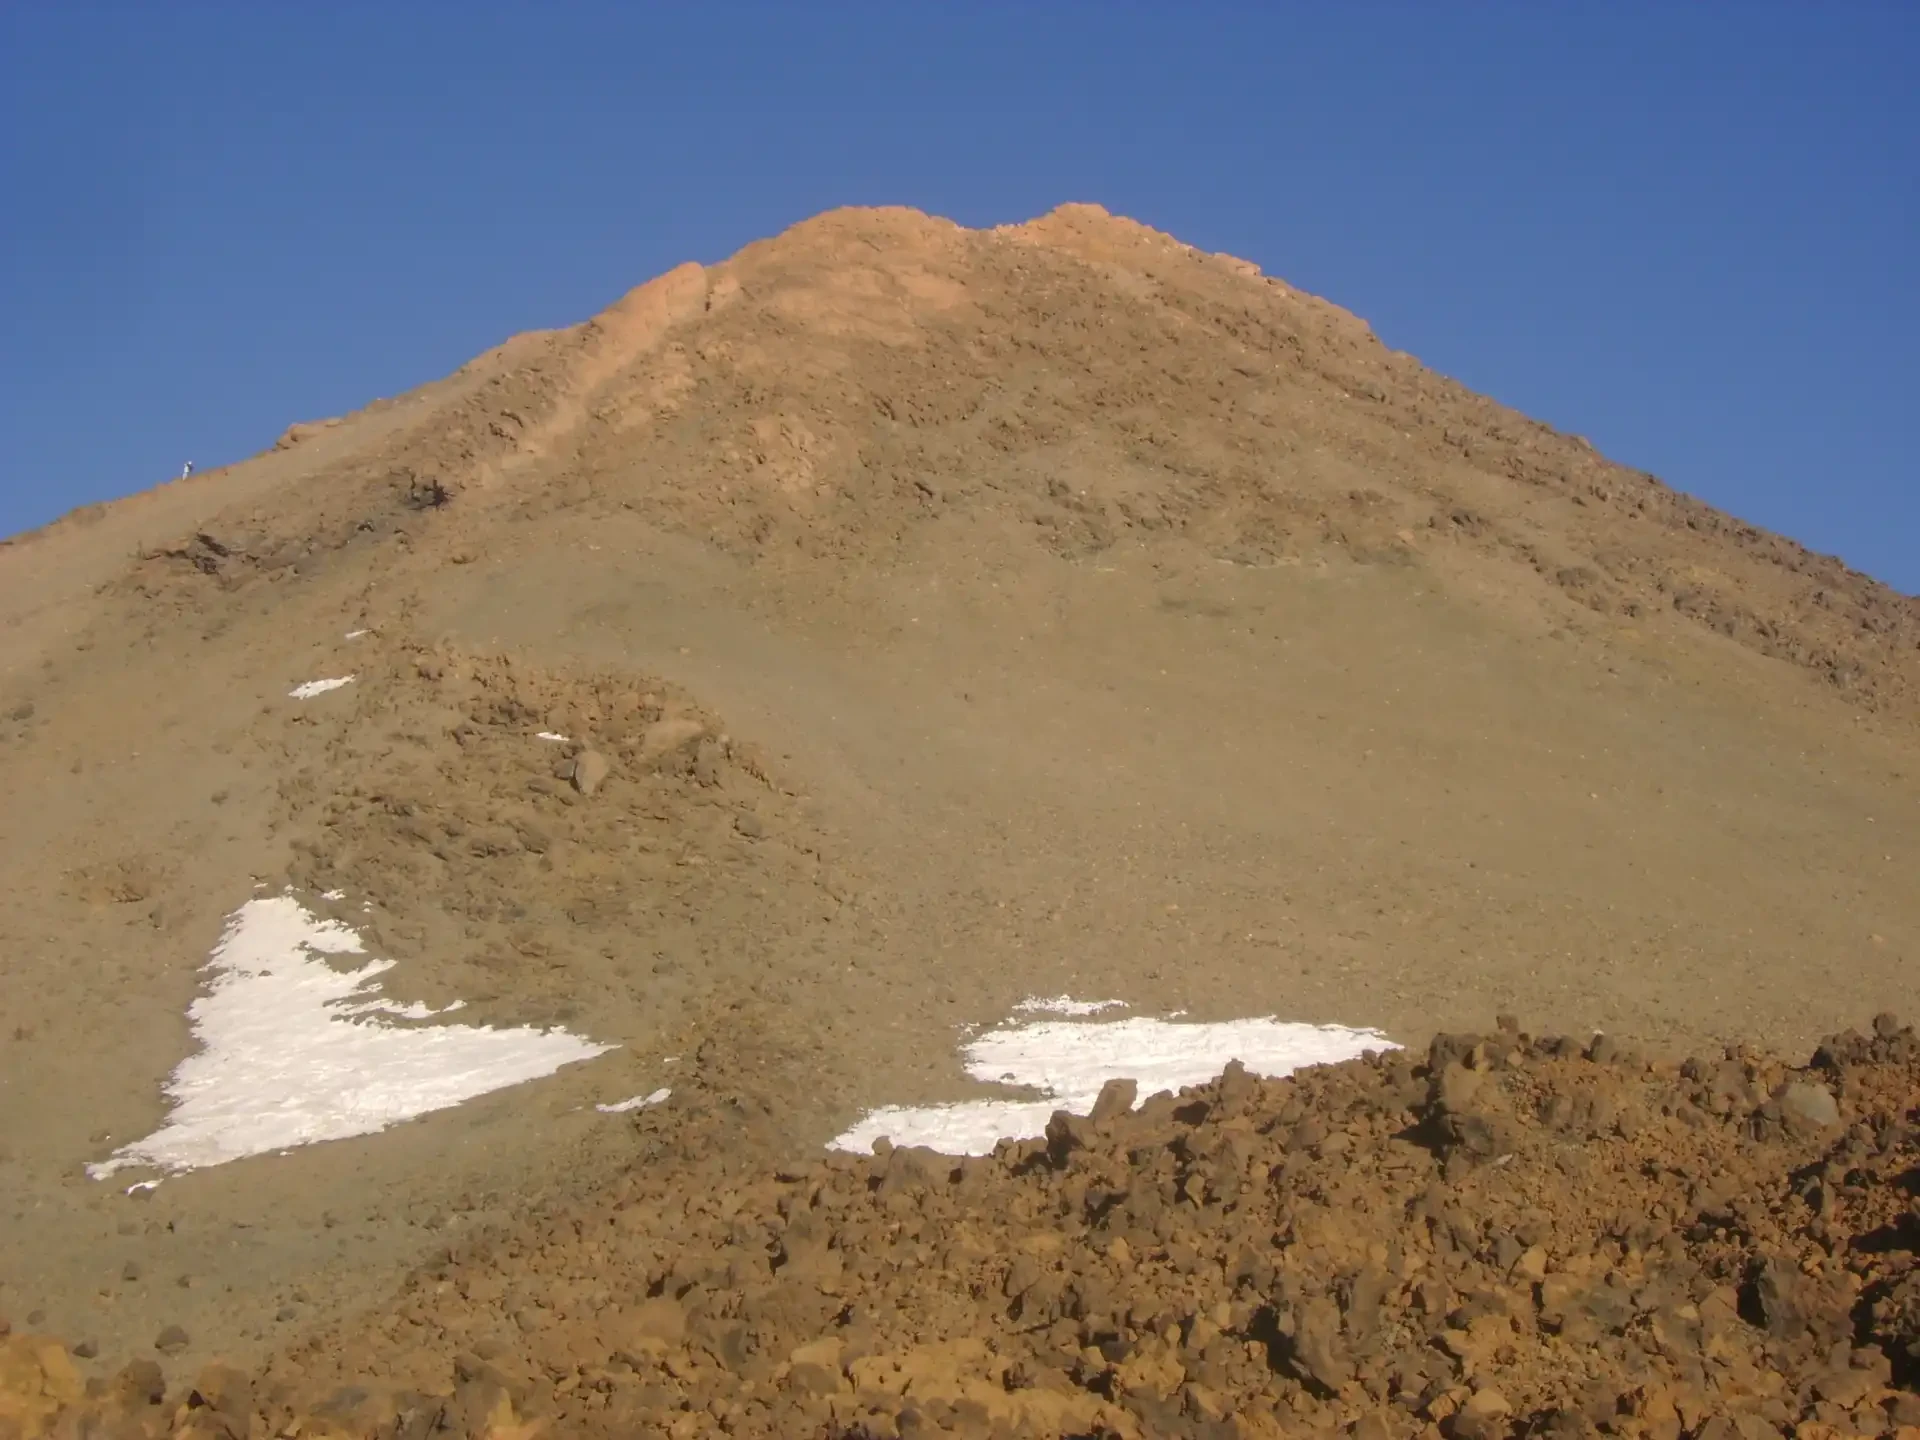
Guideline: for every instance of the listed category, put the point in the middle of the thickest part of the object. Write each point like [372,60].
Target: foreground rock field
[1507,1235]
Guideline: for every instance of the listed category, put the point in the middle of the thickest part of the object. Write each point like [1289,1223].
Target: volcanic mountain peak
[837,388]
[780,678]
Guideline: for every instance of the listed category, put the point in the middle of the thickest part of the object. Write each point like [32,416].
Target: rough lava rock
[1518,1236]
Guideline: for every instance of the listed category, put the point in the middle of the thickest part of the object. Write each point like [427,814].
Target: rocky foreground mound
[1505,1236]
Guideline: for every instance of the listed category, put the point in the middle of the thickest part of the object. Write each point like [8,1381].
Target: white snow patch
[635,1102]
[355,634]
[333,894]
[554,736]
[318,687]
[293,1051]
[1066,1005]
[1069,1060]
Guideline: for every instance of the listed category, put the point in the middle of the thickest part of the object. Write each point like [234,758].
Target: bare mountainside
[805,661]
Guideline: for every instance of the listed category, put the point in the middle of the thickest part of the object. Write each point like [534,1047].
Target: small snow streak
[636,1102]
[318,687]
[1066,1005]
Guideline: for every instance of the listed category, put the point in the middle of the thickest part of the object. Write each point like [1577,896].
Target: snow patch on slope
[1069,1060]
[293,1051]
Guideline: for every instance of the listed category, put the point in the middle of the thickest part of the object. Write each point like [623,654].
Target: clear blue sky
[1688,231]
